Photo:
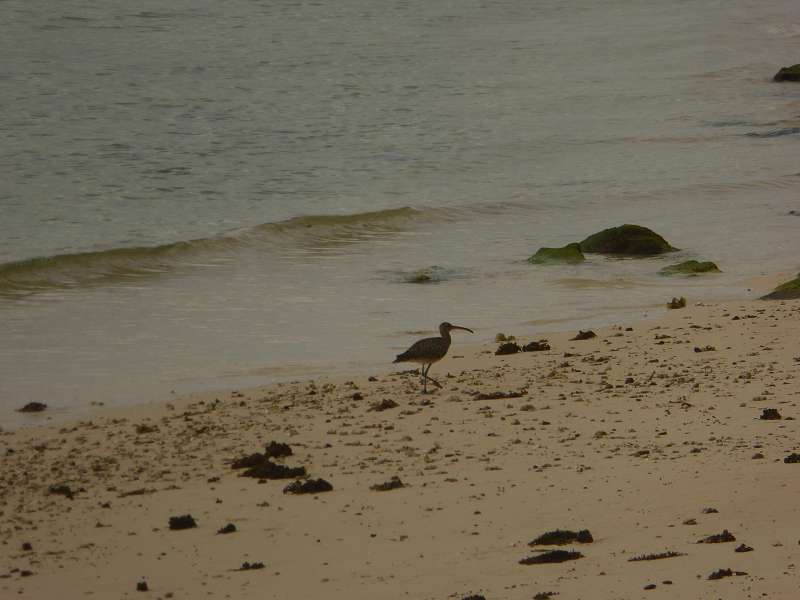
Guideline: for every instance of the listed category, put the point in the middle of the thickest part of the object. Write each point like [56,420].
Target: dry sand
[633,435]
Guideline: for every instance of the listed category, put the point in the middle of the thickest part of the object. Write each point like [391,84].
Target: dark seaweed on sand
[554,556]
[560,537]
[271,470]
[718,538]
[310,486]
[277,450]
[659,556]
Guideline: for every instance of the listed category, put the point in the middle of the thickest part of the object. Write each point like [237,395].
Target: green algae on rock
[631,240]
[786,291]
[690,267]
[788,74]
[571,253]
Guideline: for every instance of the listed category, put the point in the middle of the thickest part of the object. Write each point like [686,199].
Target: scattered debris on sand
[743,548]
[500,395]
[792,458]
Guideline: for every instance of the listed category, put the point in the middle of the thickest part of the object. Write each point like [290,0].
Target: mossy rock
[571,253]
[786,291]
[788,74]
[690,267]
[630,240]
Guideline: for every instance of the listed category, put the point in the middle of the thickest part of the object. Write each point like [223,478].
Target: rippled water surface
[205,194]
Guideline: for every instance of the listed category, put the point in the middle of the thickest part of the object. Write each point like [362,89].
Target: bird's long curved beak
[464,328]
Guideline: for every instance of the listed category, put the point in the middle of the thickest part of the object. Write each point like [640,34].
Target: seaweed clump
[677,303]
[559,537]
[309,486]
[507,348]
[182,522]
[554,556]
[718,538]
[657,556]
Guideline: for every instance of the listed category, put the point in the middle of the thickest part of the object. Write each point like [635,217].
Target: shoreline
[631,435]
[60,416]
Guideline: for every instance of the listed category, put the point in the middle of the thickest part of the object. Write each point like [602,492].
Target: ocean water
[199,195]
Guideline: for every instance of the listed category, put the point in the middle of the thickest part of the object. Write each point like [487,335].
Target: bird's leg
[431,379]
[425,378]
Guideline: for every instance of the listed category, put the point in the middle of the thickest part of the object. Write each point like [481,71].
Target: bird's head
[447,327]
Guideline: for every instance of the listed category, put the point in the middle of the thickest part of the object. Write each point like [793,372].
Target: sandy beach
[650,436]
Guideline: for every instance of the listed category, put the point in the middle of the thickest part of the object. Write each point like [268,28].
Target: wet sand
[649,436]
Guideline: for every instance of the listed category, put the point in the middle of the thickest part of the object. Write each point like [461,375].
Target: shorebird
[428,351]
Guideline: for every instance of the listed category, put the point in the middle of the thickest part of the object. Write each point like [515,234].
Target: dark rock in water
[560,537]
[539,346]
[142,586]
[32,407]
[585,335]
[182,522]
[677,303]
[554,556]
[718,538]
[61,490]
[650,586]
[432,274]
[786,291]
[793,458]
[393,484]
[630,240]
[743,548]
[384,404]
[788,74]
[271,470]
[27,547]
[474,597]
[277,449]
[569,254]
[690,267]
[544,595]
[770,414]
[309,486]
[507,348]
[229,528]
